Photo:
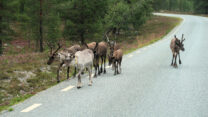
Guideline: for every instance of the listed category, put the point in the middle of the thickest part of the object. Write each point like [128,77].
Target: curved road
[148,86]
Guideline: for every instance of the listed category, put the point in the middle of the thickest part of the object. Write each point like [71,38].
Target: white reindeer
[82,60]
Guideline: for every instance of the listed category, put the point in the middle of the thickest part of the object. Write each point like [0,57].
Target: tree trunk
[1,47]
[41,26]
[82,38]
[1,43]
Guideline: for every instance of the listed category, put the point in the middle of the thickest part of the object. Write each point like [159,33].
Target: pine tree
[7,13]
[83,18]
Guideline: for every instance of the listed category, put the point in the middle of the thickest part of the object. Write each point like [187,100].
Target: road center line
[67,88]
[28,109]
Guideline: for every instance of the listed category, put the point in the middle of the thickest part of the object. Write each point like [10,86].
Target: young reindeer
[115,56]
[176,45]
[63,57]
[83,60]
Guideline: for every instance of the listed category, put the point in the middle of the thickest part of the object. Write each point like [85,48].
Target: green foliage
[7,15]
[127,14]
[141,11]
[83,18]
[118,16]
[174,5]
[201,6]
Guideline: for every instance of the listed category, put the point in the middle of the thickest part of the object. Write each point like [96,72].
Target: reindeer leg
[68,68]
[101,66]
[58,80]
[90,77]
[179,58]
[120,66]
[79,85]
[95,66]
[175,64]
[98,68]
[75,72]
[104,64]
[115,68]
[172,60]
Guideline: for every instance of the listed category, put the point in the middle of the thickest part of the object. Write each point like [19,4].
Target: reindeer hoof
[58,81]
[104,71]
[90,84]
[179,62]
[78,87]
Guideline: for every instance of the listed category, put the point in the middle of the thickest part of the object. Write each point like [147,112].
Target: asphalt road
[148,86]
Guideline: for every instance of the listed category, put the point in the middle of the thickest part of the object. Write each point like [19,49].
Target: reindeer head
[110,56]
[179,43]
[53,55]
[95,50]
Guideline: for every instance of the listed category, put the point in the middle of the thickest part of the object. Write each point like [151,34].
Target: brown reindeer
[63,57]
[91,45]
[100,52]
[176,45]
[116,60]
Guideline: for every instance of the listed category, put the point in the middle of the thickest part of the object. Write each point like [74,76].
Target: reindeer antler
[182,39]
[107,38]
[59,47]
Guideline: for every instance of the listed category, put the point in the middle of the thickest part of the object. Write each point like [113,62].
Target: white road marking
[130,56]
[28,109]
[67,88]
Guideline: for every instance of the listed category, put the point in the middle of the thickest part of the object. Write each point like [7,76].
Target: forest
[46,22]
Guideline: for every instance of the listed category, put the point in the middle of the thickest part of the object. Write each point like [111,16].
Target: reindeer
[91,45]
[63,57]
[100,51]
[82,60]
[176,45]
[115,56]
[116,59]
[73,49]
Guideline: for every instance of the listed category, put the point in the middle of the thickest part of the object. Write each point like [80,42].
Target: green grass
[15,101]
[10,109]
